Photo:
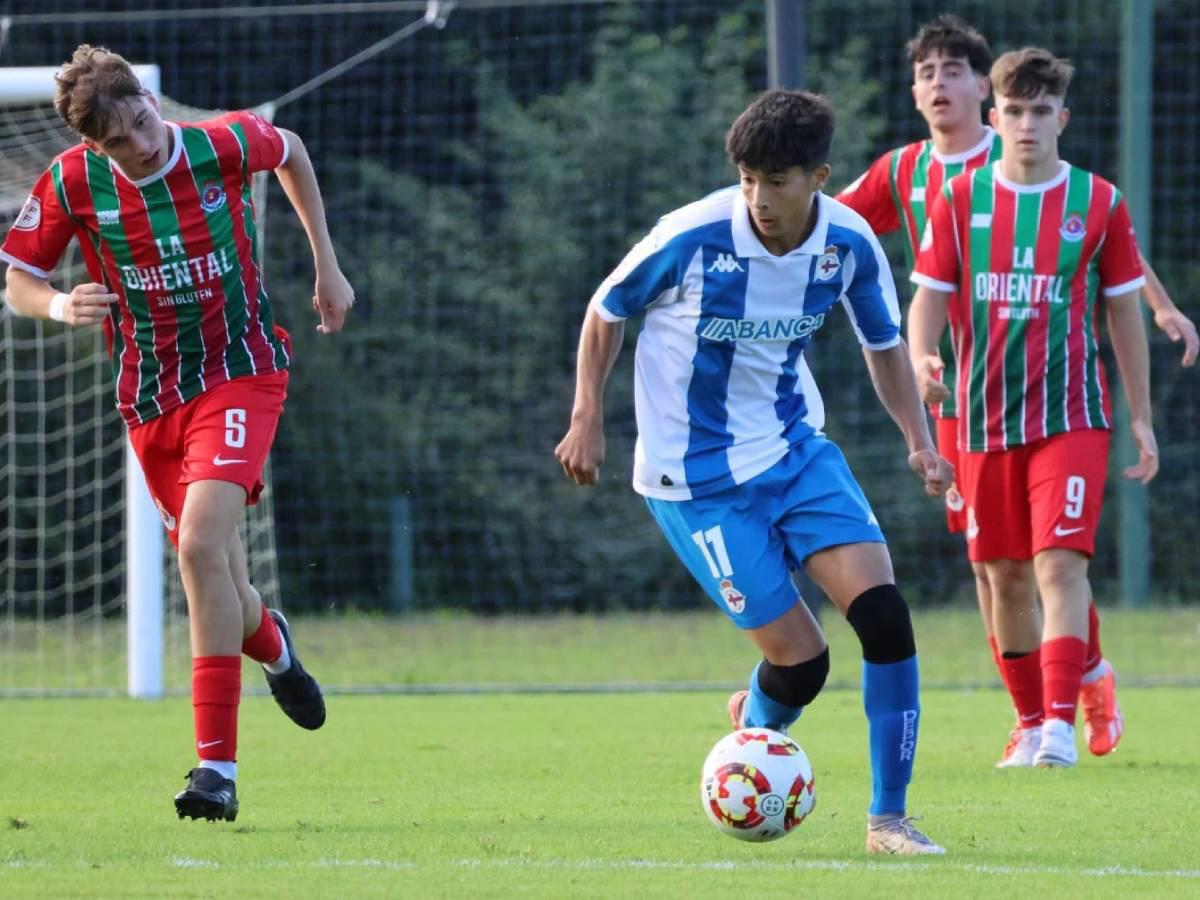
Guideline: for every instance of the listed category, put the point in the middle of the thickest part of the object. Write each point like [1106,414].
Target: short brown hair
[782,129]
[1027,72]
[950,36]
[89,87]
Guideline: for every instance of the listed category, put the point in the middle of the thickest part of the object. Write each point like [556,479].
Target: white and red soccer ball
[757,785]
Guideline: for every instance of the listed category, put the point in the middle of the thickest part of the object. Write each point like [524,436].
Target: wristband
[58,307]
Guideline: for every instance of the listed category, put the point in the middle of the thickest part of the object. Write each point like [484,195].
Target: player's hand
[581,452]
[88,304]
[1179,327]
[1147,465]
[928,370]
[332,299]
[933,469]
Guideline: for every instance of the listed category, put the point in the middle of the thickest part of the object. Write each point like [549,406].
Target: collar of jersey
[746,243]
[964,155]
[1063,168]
[166,167]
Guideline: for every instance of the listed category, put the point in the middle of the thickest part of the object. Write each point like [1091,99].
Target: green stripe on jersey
[206,171]
[1058,364]
[980,253]
[1026,226]
[1094,398]
[102,186]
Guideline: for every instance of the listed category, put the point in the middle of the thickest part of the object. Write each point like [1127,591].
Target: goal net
[90,595]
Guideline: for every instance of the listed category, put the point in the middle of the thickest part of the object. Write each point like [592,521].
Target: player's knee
[796,685]
[879,617]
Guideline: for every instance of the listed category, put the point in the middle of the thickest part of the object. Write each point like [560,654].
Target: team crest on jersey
[31,215]
[954,500]
[212,196]
[734,599]
[828,263]
[1073,228]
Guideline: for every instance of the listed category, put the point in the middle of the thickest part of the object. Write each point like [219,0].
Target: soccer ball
[757,785]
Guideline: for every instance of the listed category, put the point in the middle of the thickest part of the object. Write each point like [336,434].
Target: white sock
[227,768]
[283,663]
[1096,672]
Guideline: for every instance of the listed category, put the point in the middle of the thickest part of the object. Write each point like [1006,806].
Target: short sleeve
[41,232]
[1120,260]
[871,196]
[938,264]
[264,144]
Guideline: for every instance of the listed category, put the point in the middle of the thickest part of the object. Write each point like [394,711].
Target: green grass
[584,794]
[362,651]
[574,796]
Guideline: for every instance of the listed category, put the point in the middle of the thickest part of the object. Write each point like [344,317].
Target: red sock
[1094,654]
[1023,678]
[216,690]
[266,644]
[1062,671]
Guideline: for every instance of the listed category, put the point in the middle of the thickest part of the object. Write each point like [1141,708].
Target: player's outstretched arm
[29,295]
[892,375]
[1128,336]
[1167,316]
[581,451]
[332,295]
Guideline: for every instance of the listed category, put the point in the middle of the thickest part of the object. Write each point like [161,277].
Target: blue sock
[763,712]
[893,713]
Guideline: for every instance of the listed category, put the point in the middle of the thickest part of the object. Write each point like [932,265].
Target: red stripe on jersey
[228,148]
[135,220]
[961,319]
[1003,239]
[1078,341]
[1037,330]
[197,242]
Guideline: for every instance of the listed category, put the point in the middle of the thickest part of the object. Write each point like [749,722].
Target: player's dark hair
[89,88]
[952,37]
[1027,72]
[781,130]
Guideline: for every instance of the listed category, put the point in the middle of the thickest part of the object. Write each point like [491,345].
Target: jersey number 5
[235,428]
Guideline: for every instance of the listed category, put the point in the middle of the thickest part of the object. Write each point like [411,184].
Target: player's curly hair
[952,37]
[1027,72]
[780,130]
[89,87]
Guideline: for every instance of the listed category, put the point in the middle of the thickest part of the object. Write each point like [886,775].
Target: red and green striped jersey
[177,247]
[895,193]
[1025,265]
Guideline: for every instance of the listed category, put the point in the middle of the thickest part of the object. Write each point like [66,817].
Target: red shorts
[223,434]
[947,446]
[1035,497]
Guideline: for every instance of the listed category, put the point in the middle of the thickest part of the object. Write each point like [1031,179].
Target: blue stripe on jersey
[792,406]
[723,296]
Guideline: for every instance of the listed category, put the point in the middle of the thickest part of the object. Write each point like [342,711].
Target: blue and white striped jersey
[721,388]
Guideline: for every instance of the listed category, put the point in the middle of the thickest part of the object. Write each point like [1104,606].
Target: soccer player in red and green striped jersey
[163,214]
[950,62]
[1017,255]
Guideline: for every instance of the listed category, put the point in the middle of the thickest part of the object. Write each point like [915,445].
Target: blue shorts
[741,544]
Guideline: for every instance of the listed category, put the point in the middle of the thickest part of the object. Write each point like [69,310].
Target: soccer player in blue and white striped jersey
[742,484]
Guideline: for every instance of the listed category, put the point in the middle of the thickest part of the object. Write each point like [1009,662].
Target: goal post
[144,581]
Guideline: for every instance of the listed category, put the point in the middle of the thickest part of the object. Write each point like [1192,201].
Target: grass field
[589,794]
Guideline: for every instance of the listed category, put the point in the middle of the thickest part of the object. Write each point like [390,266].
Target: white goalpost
[25,96]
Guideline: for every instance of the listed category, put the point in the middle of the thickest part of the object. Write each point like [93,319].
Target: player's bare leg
[859,580]
[268,640]
[1063,583]
[211,511]
[1017,626]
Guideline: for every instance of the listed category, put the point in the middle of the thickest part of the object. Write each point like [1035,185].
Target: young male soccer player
[732,287]
[163,216]
[1018,254]
[950,62]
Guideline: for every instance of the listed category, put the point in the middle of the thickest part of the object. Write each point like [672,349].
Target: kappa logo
[734,599]
[212,196]
[108,216]
[1073,228]
[30,216]
[726,263]
[828,263]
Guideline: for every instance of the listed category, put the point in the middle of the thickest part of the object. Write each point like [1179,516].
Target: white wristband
[58,307]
